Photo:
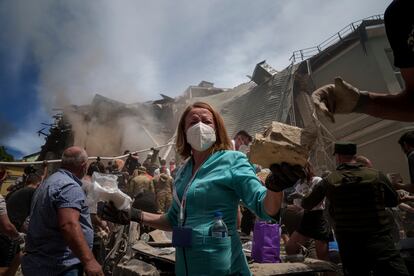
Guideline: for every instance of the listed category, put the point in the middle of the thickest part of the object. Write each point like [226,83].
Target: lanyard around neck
[183,201]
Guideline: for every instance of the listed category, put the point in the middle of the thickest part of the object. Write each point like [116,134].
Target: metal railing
[303,54]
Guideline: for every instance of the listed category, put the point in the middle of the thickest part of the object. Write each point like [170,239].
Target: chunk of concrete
[135,267]
[281,143]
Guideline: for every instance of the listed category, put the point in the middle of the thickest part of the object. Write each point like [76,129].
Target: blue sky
[54,53]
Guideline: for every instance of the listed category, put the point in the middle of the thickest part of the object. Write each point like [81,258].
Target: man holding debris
[357,199]
[342,97]
[60,234]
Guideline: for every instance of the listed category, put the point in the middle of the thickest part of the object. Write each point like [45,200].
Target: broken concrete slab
[159,236]
[281,143]
[135,267]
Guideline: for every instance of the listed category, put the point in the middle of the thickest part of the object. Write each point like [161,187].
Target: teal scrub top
[224,179]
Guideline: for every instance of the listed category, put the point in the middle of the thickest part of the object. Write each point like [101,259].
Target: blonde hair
[223,141]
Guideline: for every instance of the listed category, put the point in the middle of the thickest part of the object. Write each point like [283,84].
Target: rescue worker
[213,178]
[162,169]
[122,177]
[357,199]
[132,162]
[154,162]
[163,191]
[342,97]
[139,183]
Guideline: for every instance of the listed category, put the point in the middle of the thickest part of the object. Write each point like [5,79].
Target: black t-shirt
[146,201]
[132,164]
[18,206]
[411,166]
[399,25]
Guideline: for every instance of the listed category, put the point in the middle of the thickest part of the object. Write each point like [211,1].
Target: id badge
[182,236]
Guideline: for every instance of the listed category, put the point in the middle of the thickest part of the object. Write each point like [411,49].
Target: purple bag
[266,243]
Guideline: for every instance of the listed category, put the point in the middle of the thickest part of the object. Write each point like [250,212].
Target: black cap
[345,148]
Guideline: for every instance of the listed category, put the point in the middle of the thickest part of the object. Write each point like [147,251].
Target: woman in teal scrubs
[213,178]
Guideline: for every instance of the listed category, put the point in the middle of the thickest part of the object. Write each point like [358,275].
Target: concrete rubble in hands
[281,143]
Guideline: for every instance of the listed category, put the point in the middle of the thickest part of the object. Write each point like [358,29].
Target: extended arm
[110,213]
[272,202]
[342,97]
[393,107]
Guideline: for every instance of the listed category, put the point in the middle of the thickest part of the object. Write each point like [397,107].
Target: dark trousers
[75,270]
[247,221]
[98,249]
[363,254]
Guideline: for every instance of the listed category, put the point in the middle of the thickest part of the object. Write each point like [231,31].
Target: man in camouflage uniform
[357,199]
[139,183]
[163,191]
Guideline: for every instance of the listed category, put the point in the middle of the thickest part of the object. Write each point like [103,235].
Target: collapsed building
[359,53]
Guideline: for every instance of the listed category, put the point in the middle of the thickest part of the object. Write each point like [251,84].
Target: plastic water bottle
[219,228]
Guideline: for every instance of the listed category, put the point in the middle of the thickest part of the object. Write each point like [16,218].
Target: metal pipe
[21,163]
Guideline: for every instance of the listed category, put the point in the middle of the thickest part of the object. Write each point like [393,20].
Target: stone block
[281,143]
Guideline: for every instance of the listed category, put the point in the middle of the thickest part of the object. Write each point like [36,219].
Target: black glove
[108,211]
[283,176]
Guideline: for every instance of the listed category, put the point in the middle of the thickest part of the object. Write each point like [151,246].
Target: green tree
[4,155]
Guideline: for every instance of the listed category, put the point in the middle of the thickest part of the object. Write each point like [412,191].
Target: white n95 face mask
[201,136]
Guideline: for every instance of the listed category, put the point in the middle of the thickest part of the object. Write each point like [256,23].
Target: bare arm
[406,207]
[405,187]
[272,202]
[394,107]
[7,228]
[342,97]
[68,221]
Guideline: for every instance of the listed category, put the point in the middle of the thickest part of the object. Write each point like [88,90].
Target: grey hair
[75,160]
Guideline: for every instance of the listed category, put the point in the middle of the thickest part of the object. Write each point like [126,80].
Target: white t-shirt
[304,188]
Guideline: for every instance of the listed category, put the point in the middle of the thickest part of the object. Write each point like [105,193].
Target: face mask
[244,148]
[201,136]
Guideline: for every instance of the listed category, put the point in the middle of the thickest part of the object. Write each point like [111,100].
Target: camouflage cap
[142,169]
[164,177]
[345,148]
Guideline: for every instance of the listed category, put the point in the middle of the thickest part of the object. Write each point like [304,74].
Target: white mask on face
[244,148]
[201,136]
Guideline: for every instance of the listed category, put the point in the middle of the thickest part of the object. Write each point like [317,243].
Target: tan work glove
[340,97]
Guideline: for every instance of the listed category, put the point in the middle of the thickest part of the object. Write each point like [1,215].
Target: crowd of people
[62,209]
[49,226]
[64,233]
